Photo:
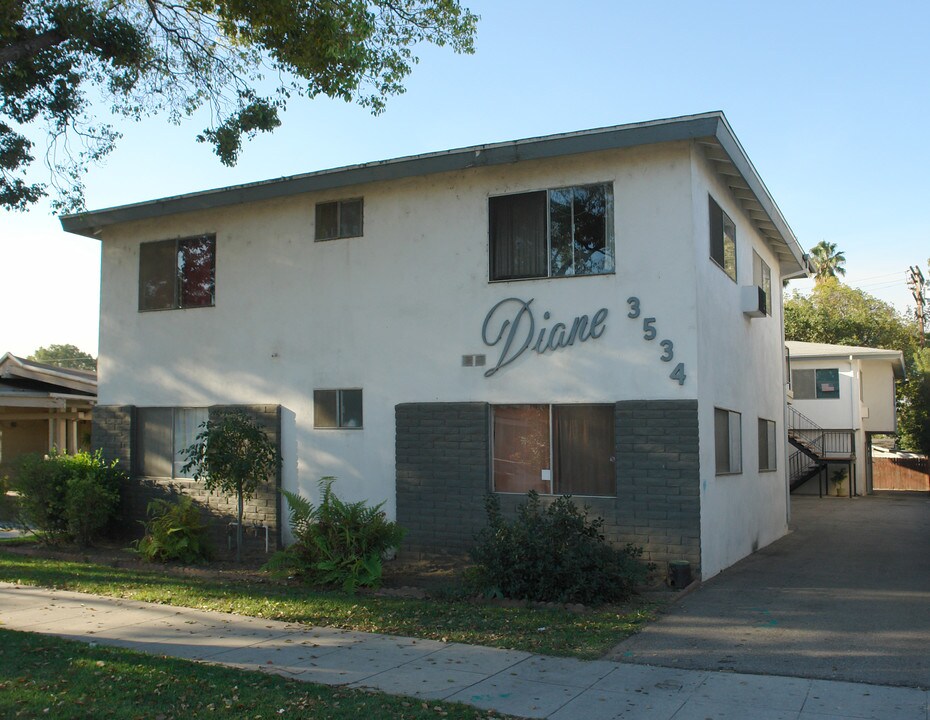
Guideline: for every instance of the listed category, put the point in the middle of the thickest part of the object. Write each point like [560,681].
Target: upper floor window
[820,384]
[762,277]
[722,239]
[177,273]
[338,219]
[552,233]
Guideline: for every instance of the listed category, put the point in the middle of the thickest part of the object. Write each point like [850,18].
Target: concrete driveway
[844,596]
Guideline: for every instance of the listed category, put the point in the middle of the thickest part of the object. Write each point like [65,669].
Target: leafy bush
[174,531]
[552,554]
[68,497]
[337,543]
[9,502]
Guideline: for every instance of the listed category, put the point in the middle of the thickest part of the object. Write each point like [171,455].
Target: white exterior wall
[878,395]
[742,370]
[392,312]
[842,413]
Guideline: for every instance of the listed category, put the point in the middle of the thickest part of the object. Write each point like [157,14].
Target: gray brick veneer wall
[443,475]
[112,432]
[442,457]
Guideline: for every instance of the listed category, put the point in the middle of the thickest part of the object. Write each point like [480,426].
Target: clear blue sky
[830,100]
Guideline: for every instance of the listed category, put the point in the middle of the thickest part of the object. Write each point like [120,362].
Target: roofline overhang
[690,127]
[17,368]
[896,357]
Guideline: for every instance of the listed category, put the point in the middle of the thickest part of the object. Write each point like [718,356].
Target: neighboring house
[597,313]
[849,395]
[43,408]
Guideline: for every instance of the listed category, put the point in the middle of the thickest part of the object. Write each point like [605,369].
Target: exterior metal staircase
[814,448]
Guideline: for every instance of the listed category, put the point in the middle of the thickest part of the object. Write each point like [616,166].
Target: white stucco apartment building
[597,313]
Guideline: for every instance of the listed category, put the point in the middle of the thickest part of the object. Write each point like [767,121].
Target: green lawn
[587,635]
[46,677]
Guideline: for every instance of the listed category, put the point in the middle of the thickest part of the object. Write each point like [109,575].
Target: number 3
[634,307]
[668,345]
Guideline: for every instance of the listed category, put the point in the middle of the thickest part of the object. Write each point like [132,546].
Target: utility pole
[917,285]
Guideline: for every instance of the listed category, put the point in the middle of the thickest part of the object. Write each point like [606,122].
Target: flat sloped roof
[711,130]
[809,350]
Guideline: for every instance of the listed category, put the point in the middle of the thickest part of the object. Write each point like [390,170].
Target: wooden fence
[912,473]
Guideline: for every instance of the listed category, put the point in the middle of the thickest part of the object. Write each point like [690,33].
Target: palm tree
[827,262]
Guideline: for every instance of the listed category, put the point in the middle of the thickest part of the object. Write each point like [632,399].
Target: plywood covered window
[554,449]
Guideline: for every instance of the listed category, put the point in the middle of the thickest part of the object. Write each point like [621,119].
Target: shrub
[174,531]
[552,554]
[338,543]
[68,497]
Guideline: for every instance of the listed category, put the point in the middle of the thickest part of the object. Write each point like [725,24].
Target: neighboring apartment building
[596,313]
[849,392]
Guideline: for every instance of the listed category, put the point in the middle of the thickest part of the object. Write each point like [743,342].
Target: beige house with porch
[43,408]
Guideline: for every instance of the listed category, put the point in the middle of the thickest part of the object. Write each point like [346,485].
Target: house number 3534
[650,333]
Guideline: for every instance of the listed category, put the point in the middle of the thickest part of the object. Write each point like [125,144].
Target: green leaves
[174,531]
[337,544]
[155,56]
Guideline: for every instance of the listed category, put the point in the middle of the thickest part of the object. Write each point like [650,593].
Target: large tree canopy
[837,314]
[68,356]
[242,59]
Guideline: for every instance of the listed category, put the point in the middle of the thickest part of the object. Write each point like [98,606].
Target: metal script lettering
[511,324]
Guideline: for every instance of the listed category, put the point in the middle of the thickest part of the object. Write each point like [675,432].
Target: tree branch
[30,46]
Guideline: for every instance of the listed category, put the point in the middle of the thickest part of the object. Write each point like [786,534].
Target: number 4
[678,373]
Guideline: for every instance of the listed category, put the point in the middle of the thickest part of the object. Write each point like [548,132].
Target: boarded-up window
[560,449]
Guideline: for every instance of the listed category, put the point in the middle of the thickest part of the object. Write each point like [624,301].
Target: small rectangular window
[767,445]
[722,239]
[554,449]
[337,408]
[819,384]
[177,274]
[762,277]
[551,233]
[728,443]
[338,219]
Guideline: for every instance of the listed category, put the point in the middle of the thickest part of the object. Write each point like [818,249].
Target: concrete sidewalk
[517,683]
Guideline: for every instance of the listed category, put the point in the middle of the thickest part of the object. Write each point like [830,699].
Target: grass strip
[587,635]
[43,676]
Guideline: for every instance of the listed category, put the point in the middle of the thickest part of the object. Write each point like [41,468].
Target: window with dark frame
[162,434]
[728,442]
[551,233]
[177,274]
[762,277]
[337,408]
[338,219]
[554,449]
[722,239]
[767,445]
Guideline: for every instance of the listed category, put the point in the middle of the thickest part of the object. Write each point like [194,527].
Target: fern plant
[337,544]
[174,531]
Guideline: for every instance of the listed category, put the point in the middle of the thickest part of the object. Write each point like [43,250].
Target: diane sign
[511,325]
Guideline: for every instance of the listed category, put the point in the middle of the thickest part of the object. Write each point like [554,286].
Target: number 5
[649,330]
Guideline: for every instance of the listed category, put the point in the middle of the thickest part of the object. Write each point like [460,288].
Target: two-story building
[597,313]
[848,395]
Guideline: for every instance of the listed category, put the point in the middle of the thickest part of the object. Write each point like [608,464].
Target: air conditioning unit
[754,301]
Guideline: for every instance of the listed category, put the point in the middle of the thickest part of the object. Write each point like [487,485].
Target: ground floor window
[337,408]
[728,442]
[767,456]
[162,434]
[554,449]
